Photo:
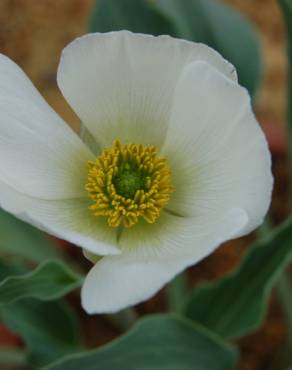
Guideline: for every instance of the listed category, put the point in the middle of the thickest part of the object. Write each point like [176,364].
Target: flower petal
[68,219]
[216,149]
[39,154]
[152,257]
[121,84]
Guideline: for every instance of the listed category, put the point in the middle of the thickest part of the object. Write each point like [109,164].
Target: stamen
[127,182]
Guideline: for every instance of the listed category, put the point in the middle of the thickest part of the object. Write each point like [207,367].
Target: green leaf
[11,268]
[286,6]
[49,281]
[220,27]
[18,239]
[136,16]
[49,329]
[160,342]
[236,304]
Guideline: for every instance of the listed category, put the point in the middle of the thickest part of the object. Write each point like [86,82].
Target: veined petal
[151,258]
[216,149]
[69,219]
[39,154]
[121,84]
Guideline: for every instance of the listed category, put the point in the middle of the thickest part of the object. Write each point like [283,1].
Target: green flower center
[127,182]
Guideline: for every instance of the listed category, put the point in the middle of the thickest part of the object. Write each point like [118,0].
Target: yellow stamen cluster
[127,182]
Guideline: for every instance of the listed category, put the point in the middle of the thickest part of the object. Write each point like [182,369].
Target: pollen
[128,182]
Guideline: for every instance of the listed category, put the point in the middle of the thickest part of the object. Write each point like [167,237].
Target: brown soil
[266,17]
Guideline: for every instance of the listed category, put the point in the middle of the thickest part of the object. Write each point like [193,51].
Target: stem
[266,227]
[176,291]
[284,287]
[286,6]
[124,319]
[283,357]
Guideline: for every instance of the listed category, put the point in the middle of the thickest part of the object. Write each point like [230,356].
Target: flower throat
[128,182]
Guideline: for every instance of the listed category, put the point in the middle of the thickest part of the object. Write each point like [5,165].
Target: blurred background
[33,34]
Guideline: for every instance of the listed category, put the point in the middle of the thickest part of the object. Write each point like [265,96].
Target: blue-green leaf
[49,329]
[49,281]
[220,27]
[236,304]
[22,241]
[136,16]
[161,342]
[11,268]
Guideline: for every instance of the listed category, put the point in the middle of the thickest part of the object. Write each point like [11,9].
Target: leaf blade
[49,281]
[136,16]
[158,342]
[22,241]
[235,305]
[222,28]
[49,329]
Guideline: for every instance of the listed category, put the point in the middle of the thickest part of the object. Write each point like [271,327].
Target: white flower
[133,93]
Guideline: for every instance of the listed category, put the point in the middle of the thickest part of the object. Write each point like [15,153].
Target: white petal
[39,154]
[152,257]
[69,219]
[216,149]
[121,84]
